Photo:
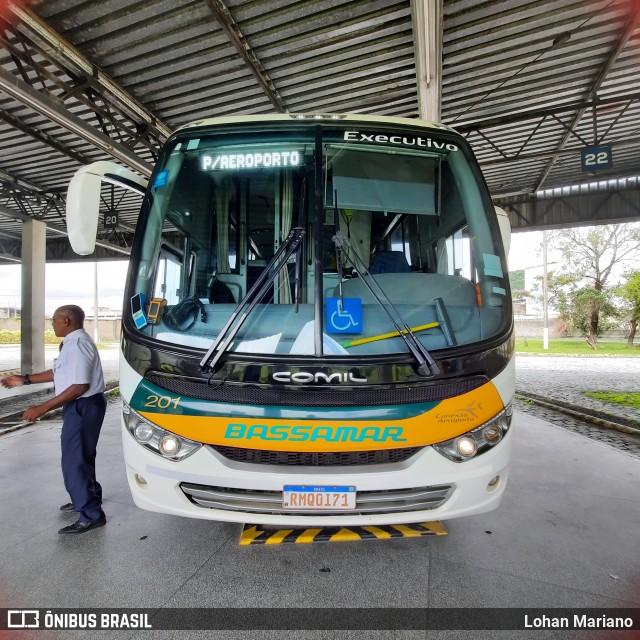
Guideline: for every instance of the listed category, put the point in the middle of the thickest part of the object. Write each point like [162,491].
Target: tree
[560,290]
[591,256]
[629,291]
[587,304]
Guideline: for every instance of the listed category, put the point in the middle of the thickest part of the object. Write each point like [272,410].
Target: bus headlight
[156,439]
[143,432]
[478,440]
[169,445]
[466,446]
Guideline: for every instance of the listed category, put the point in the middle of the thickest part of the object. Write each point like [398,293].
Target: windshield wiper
[426,364]
[246,305]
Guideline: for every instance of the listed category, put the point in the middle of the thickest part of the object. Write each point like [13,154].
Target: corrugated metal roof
[516,76]
[517,57]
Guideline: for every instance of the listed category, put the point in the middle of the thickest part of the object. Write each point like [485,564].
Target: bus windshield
[395,237]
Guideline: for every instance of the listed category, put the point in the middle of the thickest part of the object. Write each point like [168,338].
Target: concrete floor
[567,378]
[566,535]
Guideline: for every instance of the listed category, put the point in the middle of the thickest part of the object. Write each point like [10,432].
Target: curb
[608,421]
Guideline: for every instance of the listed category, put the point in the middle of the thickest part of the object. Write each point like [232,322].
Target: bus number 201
[161,402]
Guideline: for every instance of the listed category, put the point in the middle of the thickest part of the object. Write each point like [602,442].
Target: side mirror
[83,200]
[505,229]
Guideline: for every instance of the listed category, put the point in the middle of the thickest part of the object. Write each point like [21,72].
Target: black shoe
[67,507]
[81,526]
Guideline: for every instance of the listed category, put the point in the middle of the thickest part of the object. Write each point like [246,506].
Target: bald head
[74,313]
[66,319]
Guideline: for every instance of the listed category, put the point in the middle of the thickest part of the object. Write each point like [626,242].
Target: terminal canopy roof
[530,83]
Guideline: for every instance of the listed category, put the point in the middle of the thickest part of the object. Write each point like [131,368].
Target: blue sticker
[344,315]
[492,266]
[161,179]
[138,304]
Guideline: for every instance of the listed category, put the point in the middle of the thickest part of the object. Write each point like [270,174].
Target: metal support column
[427,38]
[33,274]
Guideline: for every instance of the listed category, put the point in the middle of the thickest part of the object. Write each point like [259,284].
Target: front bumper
[468,488]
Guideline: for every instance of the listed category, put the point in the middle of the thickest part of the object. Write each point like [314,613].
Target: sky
[526,250]
[72,283]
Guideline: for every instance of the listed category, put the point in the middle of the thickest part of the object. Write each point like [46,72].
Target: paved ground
[567,378]
[565,536]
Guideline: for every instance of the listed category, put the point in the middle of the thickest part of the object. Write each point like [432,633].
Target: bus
[317,325]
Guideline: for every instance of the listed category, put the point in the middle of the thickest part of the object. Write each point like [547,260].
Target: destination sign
[253,160]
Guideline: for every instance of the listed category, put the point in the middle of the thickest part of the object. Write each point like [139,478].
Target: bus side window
[453,254]
[168,278]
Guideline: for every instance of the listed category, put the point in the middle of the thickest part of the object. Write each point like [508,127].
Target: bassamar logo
[466,414]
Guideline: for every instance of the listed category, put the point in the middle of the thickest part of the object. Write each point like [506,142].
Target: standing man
[79,388]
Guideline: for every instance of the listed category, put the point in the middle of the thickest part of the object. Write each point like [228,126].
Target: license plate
[318,498]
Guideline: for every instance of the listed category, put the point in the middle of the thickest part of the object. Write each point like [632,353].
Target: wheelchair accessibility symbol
[343,315]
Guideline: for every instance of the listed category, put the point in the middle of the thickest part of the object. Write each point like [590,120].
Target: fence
[533,328]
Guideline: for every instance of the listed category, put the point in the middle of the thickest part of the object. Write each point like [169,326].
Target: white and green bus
[317,326]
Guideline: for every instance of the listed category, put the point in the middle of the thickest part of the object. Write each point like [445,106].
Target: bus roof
[321,117]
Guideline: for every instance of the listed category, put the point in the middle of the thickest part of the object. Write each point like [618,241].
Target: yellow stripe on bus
[447,419]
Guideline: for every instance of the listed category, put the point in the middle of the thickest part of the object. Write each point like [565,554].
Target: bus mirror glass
[83,208]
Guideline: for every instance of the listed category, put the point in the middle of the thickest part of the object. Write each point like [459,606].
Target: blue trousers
[82,421]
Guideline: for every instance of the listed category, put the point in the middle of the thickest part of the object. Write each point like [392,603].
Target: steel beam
[23,185]
[44,105]
[631,143]
[632,23]
[11,213]
[5,257]
[584,209]
[426,17]
[56,46]
[45,138]
[226,21]
[10,247]
[514,118]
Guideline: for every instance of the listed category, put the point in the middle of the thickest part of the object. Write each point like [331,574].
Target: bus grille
[270,502]
[325,459]
[335,396]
